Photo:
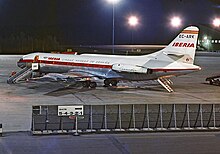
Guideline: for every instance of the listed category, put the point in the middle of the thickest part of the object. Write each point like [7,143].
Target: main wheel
[109,82]
[106,83]
[113,82]
[93,85]
[86,84]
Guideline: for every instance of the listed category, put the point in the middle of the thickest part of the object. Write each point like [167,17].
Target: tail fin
[183,47]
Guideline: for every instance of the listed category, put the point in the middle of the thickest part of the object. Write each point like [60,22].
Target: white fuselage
[110,66]
[177,58]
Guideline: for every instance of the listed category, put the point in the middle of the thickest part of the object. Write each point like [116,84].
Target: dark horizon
[48,24]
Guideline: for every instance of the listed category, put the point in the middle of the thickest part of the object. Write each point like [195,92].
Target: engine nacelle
[129,68]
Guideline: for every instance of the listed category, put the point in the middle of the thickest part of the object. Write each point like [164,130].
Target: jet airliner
[174,60]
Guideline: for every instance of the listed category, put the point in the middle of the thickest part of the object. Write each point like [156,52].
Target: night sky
[87,22]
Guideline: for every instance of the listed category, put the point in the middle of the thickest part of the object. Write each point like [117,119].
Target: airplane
[175,59]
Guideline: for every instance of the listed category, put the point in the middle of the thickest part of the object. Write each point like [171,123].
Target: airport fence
[129,117]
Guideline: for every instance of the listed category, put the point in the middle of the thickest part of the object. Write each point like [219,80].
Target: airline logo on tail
[184,44]
[186,35]
[181,44]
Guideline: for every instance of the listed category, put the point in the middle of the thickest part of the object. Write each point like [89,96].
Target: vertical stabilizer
[184,45]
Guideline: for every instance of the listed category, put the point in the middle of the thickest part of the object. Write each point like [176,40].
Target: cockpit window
[20,59]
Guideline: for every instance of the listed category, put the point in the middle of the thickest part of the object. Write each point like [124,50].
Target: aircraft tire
[93,85]
[86,84]
[106,83]
[109,82]
[113,83]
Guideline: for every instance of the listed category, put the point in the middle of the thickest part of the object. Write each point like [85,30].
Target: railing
[130,117]
[20,75]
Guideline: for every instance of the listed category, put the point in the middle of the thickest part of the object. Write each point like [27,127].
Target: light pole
[133,22]
[113,2]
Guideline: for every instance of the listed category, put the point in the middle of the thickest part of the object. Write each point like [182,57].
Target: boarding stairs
[166,84]
[24,73]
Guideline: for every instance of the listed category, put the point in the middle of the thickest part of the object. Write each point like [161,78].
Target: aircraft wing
[52,77]
[99,73]
[76,75]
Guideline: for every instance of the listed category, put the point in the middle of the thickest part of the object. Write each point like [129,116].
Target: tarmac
[17,99]
[16,103]
[141,143]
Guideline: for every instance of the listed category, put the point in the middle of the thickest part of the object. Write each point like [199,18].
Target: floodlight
[132,20]
[216,22]
[176,21]
[113,1]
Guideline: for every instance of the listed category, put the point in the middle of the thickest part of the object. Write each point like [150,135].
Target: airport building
[209,38]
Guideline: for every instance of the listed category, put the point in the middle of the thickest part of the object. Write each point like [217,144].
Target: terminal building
[209,38]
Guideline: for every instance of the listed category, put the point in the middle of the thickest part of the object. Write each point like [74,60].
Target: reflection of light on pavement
[8,97]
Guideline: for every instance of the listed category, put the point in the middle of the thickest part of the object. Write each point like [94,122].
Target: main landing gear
[107,83]
[89,84]
[110,83]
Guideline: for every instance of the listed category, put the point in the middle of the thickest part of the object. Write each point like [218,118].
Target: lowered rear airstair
[23,74]
[165,83]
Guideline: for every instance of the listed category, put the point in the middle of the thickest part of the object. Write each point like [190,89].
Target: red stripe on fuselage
[66,63]
[99,65]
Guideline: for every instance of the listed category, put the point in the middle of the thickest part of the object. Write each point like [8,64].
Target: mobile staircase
[165,83]
[23,74]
